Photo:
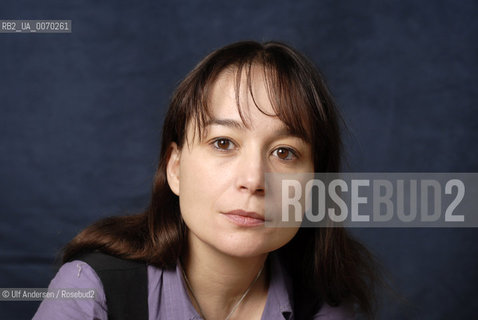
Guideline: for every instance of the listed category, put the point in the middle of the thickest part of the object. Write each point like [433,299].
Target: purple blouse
[167,296]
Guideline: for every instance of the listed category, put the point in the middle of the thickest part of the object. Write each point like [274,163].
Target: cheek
[197,177]
[201,185]
[202,175]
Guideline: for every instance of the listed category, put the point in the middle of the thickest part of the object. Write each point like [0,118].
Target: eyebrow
[225,122]
[284,131]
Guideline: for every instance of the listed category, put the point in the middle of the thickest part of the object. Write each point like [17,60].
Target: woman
[244,110]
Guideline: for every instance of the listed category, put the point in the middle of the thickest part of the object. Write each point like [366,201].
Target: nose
[250,172]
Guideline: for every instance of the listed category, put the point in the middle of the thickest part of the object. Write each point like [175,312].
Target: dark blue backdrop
[81,113]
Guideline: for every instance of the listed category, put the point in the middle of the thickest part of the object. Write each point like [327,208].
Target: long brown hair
[326,264]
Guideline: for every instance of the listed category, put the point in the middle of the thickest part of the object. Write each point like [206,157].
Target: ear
[172,169]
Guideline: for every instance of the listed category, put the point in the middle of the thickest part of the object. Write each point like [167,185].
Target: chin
[244,254]
[244,249]
[239,250]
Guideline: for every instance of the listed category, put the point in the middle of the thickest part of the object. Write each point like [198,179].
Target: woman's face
[219,177]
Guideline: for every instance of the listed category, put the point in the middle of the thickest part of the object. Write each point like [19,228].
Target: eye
[285,153]
[223,144]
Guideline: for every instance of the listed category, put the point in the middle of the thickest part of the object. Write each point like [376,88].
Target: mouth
[245,218]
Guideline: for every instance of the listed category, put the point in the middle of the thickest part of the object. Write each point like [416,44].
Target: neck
[218,280]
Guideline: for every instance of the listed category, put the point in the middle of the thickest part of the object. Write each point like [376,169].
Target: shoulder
[74,275]
[125,284]
[91,271]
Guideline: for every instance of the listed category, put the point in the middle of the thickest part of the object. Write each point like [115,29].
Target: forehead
[252,95]
[242,96]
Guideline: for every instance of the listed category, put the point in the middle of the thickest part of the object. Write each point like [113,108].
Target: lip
[245,218]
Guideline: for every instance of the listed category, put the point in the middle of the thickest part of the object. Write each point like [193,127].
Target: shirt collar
[279,297]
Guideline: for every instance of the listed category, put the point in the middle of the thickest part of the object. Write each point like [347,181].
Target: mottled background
[81,114]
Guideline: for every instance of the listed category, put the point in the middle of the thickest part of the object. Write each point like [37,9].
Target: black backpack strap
[125,283]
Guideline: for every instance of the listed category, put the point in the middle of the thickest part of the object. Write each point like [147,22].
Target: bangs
[285,92]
